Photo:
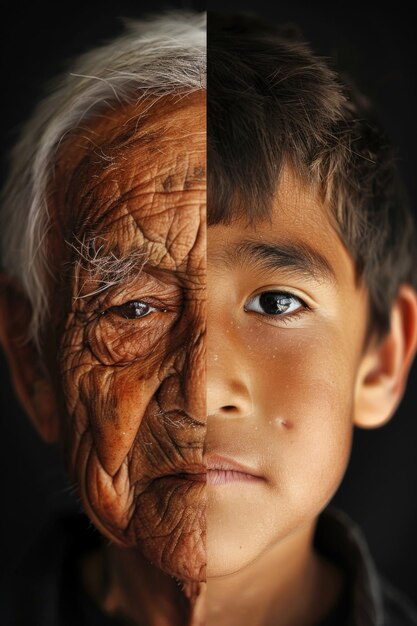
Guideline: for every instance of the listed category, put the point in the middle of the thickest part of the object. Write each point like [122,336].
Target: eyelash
[117,309]
[288,319]
[283,317]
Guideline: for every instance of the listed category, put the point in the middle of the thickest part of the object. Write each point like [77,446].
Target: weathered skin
[134,387]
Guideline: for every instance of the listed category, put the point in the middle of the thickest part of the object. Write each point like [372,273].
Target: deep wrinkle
[134,389]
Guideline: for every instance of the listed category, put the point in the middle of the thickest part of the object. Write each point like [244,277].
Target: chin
[236,534]
[184,560]
[169,527]
[230,555]
[181,555]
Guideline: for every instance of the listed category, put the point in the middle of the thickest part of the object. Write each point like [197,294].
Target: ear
[31,382]
[384,368]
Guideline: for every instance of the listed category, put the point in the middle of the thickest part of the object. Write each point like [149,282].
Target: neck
[289,584]
[140,593]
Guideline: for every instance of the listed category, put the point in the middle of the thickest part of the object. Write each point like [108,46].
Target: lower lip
[223,477]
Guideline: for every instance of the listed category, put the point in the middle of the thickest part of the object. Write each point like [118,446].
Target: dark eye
[133,310]
[274,303]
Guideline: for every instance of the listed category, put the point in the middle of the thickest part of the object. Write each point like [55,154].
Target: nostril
[228,408]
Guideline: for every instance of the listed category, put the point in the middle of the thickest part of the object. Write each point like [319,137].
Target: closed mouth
[193,473]
[193,476]
[222,477]
[217,470]
[221,471]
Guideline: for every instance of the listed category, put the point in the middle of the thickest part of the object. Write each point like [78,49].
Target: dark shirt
[367,599]
[46,590]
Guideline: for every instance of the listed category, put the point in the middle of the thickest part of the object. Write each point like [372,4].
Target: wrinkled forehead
[135,178]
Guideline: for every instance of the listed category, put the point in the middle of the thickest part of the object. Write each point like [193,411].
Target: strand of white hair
[160,55]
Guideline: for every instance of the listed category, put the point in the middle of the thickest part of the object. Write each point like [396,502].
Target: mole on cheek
[283,423]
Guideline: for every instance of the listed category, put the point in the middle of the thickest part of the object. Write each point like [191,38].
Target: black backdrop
[378,49]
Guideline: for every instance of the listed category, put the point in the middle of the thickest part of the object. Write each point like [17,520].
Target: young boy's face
[286,330]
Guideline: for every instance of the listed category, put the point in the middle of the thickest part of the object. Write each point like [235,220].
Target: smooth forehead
[136,175]
[300,223]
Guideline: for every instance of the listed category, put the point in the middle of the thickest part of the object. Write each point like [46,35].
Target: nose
[228,385]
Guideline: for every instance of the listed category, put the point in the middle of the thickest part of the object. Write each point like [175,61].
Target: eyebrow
[105,269]
[296,257]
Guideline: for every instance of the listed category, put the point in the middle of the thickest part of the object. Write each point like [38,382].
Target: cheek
[106,399]
[116,401]
[105,406]
[304,384]
[130,430]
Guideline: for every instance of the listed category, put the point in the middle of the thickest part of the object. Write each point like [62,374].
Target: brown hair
[271,103]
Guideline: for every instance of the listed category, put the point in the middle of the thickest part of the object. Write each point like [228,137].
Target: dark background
[378,49]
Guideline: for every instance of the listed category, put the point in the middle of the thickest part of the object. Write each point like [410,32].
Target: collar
[341,541]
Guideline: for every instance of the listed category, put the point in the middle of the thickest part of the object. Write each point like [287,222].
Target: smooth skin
[288,375]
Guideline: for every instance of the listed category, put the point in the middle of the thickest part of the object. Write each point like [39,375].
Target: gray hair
[157,56]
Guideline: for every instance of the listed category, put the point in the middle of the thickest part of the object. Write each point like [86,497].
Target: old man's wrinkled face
[131,352]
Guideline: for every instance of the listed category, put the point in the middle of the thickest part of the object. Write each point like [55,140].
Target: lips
[198,477]
[193,472]
[222,470]
[217,470]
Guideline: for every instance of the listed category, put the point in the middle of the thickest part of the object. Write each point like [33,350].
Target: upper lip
[211,462]
[218,462]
